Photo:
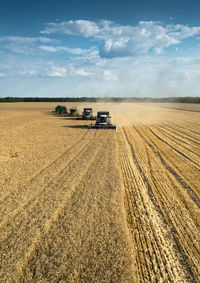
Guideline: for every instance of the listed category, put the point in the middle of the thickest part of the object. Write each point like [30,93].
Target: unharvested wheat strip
[17,235]
[147,240]
[85,241]
[30,191]
[188,246]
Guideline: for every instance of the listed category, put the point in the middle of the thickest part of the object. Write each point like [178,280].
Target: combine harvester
[102,121]
[59,110]
[87,115]
[73,112]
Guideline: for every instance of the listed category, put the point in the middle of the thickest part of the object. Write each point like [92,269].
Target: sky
[64,48]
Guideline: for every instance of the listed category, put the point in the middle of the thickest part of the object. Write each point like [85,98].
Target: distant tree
[102,99]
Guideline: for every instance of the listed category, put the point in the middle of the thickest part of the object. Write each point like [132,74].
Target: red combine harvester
[73,112]
[87,115]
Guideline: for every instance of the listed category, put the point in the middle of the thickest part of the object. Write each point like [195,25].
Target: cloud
[54,49]
[56,71]
[109,75]
[21,39]
[78,27]
[119,40]
[81,72]
[119,60]
[134,40]
[182,31]
[23,45]
[150,76]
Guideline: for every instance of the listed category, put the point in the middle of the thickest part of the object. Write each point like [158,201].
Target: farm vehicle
[103,121]
[87,115]
[60,109]
[73,112]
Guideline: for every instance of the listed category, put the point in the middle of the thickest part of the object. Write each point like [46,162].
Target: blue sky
[99,48]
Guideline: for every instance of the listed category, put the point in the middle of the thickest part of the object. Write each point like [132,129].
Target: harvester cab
[73,110]
[103,121]
[87,114]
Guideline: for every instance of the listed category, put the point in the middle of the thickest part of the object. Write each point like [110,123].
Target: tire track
[181,134]
[184,230]
[192,194]
[38,174]
[77,231]
[179,141]
[176,150]
[16,199]
[154,256]
[30,221]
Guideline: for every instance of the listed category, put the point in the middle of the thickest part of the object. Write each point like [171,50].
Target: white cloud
[150,76]
[133,40]
[78,27]
[21,39]
[182,31]
[82,73]
[125,60]
[54,49]
[56,71]
[109,75]
[126,40]
[23,45]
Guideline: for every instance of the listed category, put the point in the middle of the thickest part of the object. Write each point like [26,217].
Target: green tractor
[59,109]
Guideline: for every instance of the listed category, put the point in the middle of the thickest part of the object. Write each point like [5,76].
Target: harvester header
[73,112]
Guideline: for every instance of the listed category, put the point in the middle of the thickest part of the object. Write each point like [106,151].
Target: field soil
[86,205]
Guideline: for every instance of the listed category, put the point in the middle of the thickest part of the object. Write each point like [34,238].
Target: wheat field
[85,205]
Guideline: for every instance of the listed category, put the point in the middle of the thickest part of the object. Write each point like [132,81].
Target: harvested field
[80,205]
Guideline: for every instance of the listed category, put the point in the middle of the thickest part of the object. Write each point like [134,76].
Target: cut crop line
[21,265]
[189,190]
[178,151]
[59,166]
[42,189]
[43,170]
[154,245]
[184,244]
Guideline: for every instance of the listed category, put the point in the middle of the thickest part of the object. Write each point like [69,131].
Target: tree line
[102,99]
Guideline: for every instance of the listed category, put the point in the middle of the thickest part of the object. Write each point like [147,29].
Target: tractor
[102,121]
